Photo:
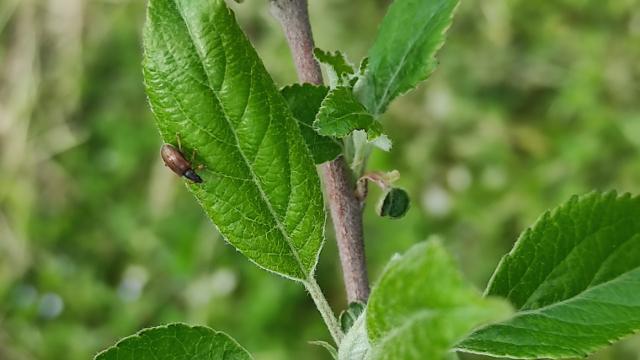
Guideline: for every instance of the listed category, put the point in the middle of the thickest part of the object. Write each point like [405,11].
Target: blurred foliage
[533,101]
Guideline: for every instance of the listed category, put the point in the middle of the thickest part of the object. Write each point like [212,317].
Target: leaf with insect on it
[260,186]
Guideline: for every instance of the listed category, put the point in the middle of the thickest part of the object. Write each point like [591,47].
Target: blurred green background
[533,101]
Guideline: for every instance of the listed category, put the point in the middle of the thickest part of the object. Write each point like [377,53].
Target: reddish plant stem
[346,212]
[346,209]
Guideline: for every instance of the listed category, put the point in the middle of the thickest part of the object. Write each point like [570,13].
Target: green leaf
[355,345]
[304,102]
[421,306]
[341,113]
[338,68]
[176,342]
[336,61]
[364,64]
[207,85]
[349,316]
[394,204]
[574,278]
[403,53]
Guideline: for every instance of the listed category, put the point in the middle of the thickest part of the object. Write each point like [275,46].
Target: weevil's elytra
[175,161]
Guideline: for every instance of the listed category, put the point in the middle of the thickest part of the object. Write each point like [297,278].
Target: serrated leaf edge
[382,105]
[548,214]
[142,333]
[334,53]
[540,312]
[309,85]
[323,105]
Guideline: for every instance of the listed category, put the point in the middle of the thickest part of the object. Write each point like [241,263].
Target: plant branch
[346,213]
[346,210]
[294,19]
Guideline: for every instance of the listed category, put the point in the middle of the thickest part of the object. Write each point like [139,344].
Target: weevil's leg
[193,157]
[178,140]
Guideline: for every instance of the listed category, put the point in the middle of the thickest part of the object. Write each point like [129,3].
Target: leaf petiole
[325,310]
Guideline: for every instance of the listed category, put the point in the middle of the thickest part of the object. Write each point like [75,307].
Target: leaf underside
[421,306]
[575,279]
[338,68]
[207,86]
[403,53]
[176,342]
[336,60]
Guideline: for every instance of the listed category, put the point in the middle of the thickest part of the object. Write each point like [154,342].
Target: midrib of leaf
[408,322]
[597,236]
[566,258]
[195,124]
[256,181]
[540,310]
[403,60]
[359,113]
[186,114]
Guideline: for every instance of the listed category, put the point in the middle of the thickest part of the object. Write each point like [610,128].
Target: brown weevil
[175,161]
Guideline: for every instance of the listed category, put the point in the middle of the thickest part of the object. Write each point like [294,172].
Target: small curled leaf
[338,67]
[349,316]
[394,204]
